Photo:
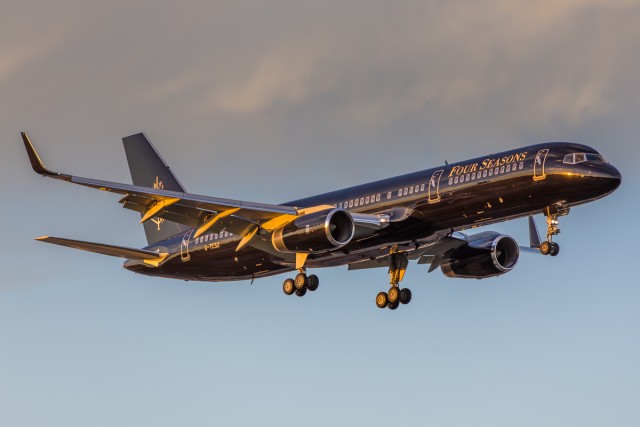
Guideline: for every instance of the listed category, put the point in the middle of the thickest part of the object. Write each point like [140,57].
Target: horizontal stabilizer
[100,248]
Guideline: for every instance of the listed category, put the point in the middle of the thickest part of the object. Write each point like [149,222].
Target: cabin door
[434,187]
[538,165]
[184,247]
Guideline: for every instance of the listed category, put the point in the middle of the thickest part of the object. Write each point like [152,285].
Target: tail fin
[148,169]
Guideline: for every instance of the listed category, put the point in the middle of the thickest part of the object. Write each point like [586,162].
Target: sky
[276,100]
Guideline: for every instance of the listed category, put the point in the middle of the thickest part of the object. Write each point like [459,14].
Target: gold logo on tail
[158,185]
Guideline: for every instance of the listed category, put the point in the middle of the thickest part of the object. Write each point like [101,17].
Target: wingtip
[41,238]
[36,163]
[34,158]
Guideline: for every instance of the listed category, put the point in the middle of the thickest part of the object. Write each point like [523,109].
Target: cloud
[286,74]
[531,62]
[351,74]
[15,57]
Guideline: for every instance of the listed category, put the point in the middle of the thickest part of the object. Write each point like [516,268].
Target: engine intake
[485,255]
[317,232]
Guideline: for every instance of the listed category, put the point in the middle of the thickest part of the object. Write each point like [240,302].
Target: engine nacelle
[316,232]
[485,255]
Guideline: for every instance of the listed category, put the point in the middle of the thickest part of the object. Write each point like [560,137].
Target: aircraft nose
[616,175]
[613,176]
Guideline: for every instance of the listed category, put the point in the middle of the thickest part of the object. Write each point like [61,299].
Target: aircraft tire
[382,300]
[393,294]
[555,249]
[405,295]
[394,305]
[313,282]
[288,287]
[301,292]
[301,281]
[545,248]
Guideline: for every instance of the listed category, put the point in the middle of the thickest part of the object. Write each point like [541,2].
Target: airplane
[414,217]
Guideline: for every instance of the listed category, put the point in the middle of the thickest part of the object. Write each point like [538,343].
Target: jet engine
[484,255]
[316,232]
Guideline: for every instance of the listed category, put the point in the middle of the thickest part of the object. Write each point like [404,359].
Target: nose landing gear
[395,296]
[549,247]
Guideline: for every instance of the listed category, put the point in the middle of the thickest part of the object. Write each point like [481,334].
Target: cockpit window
[572,159]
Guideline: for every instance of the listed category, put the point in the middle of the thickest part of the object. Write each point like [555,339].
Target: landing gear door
[434,187]
[184,247]
[538,165]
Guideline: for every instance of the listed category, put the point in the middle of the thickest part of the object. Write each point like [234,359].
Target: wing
[434,253]
[186,208]
[431,254]
[201,212]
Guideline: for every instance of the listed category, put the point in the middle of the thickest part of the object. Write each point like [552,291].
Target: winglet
[36,162]
[534,236]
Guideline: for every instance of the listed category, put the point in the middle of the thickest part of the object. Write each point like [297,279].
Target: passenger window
[366,201]
[490,172]
[388,195]
[473,176]
[521,165]
[378,198]
[502,169]
[410,190]
[416,189]
[350,203]
[450,181]
[356,203]
[406,191]
[455,181]
[484,173]
[422,187]
[400,192]
[362,201]
[508,168]
[206,238]
[468,177]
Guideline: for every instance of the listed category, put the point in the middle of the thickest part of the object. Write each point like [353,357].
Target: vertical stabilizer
[148,169]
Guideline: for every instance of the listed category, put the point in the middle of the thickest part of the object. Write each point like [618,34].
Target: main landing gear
[395,296]
[549,247]
[300,284]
